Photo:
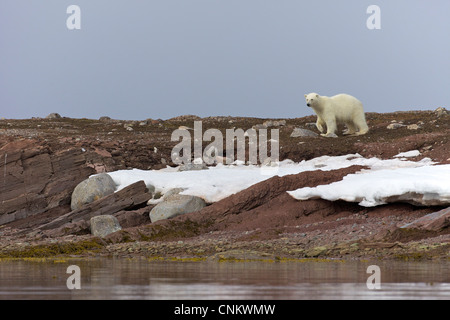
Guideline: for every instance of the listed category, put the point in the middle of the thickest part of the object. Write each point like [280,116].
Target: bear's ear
[317,95]
[306,95]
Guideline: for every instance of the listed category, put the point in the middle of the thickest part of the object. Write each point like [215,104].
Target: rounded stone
[92,189]
[103,225]
[175,205]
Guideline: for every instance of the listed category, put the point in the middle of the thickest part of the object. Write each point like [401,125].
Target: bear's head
[311,99]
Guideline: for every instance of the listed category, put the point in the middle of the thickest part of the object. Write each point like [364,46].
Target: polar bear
[341,108]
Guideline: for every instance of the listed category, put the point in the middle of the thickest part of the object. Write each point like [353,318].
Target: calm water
[141,279]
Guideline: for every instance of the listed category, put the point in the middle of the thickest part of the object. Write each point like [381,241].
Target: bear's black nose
[307,104]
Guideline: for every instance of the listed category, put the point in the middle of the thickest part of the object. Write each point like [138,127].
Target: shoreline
[222,249]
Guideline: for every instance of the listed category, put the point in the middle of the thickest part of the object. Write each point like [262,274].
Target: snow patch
[424,185]
[221,181]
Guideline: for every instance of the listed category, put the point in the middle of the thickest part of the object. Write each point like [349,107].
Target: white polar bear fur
[341,108]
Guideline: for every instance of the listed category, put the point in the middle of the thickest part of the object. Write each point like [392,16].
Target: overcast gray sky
[162,58]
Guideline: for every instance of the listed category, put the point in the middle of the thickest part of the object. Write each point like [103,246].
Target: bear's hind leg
[351,129]
[362,127]
[361,132]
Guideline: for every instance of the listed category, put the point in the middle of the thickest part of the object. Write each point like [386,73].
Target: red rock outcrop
[436,221]
[34,179]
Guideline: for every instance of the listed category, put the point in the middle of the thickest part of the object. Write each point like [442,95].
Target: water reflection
[141,279]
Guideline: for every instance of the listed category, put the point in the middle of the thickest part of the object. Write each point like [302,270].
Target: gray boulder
[172,192]
[395,125]
[413,127]
[259,126]
[103,225]
[274,123]
[53,116]
[92,189]
[175,205]
[300,132]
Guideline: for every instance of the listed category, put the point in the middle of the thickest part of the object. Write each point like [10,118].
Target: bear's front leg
[331,129]
[320,124]
[329,135]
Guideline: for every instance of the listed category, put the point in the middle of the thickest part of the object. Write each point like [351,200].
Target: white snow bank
[427,185]
[221,181]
